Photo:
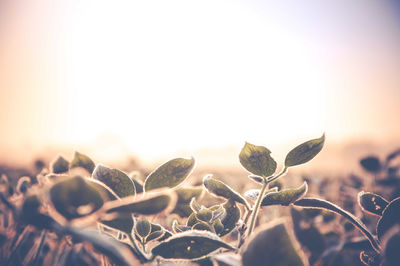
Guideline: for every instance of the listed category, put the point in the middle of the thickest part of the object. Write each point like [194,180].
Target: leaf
[189,245]
[155,232]
[231,218]
[371,164]
[273,244]
[390,217]
[170,174]
[323,204]
[219,188]
[285,197]
[60,165]
[372,203]
[81,160]
[204,214]
[253,193]
[194,205]
[117,252]
[257,160]
[152,203]
[142,227]
[218,226]
[74,198]
[192,220]
[115,179]
[135,177]
[304,152]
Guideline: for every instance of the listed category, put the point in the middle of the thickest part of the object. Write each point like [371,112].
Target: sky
[170,78]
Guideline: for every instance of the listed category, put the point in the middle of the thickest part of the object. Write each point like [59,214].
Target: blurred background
[153,80]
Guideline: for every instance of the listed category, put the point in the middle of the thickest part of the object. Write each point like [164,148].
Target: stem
[256,208]
[257,205]
[275,177]
[138,252]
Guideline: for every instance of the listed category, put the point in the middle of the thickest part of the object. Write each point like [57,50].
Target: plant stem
[138,252]
[257,205]
[256,208]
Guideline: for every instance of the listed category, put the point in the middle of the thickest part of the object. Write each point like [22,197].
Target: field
[80,212]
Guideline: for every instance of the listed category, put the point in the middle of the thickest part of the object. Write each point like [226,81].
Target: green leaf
[170,174]
[285,197]
[81,160]
[304,152]
[115,179]
[148,205]
[219,188]
[177,228]
[194,205]
[204,214]
[390,217]
[218,226]
[326,205]
[189,245]
[192,220]
[74,198]
[156,232]
[257,160]
[60,165]
[275,245]
[372,203]
[142,227]
[231,217]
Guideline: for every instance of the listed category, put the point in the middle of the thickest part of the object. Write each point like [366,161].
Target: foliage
[104,216]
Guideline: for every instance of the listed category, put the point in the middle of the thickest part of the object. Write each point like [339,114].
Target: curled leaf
[285,197]
[81,160]
[204,214]
[219,188]
[170,174]
[304,152]
[372,203]
[194,205]
[189,245]
[115,179]
[257,160]
[323,204]
[202,226]
[74,198]
[60,165]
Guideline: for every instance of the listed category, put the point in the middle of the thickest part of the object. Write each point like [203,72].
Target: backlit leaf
[285,197]
[257,160]
[115,179]
[372,203]
[219,188]
[185,195]
[304,152]
[273,245]
[189,245]
[81,160]
[60,165]
[253,193]
[390,217]
[71,195]
[170,174]
[142,227]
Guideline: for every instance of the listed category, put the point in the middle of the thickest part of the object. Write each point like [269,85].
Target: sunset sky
[165,78]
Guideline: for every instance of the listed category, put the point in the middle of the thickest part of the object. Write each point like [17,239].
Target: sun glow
[170,76]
